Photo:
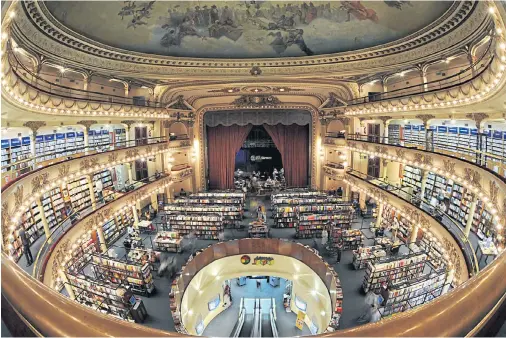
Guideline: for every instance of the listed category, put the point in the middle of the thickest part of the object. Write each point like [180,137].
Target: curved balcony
[453,229]
[27,90]
[478,157]
[31,163]
[463,89]
[485,184]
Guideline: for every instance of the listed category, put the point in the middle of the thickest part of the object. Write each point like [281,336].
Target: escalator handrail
[242,316]
[273,323]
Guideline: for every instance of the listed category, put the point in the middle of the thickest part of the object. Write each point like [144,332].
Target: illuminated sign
[245,259]
[259,260]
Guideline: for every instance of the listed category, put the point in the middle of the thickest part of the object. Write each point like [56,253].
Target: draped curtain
[292,142]
[223,142]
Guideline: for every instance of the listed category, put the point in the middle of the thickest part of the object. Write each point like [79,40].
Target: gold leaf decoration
[18,196]
[39,181]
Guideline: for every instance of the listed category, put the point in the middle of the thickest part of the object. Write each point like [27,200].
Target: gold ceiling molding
[48,36]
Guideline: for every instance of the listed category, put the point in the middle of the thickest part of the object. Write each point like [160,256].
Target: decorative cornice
[87,123]
[463,16]
[256,101]
[34,125]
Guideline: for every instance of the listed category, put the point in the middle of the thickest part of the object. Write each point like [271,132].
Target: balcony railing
[35,81]
[22,167]
[438,214]
[463,76]
[477,156]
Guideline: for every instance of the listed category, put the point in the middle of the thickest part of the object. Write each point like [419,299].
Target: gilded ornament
[39,181]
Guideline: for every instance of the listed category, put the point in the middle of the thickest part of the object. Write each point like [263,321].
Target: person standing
[99,187]
[339,249]
[385,293]
[26,247]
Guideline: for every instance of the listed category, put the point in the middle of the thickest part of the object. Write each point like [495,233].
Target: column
[101,239]
[67,285]
[348,192]
[32,144]
[472,210]
[425,176]
[361,200]
[86,142]
[44,220]
[154,201]
[130,175]
[136,216]
[414,234]
[169,191]
[384,84]
[89,179]
[379,216]
[423,77]
[384,162]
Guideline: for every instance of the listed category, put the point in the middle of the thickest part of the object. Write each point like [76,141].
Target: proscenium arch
[207,283]
[200,146]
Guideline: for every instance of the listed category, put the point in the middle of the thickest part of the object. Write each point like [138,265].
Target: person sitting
[182,192]
[269,182]
[380,232]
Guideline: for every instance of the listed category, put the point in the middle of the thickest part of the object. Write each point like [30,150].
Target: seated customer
[182,192]
[380,232]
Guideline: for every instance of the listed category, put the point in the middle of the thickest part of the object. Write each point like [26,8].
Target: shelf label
[39,139]
[80,133]
[25,140]
[105,132]
[487,133]
[474,131]
[453,130]
[422,128]
[417,128]
[15,142]
[49,137]
[71,135]
[5,144]
[407,127]
[442,129]
[497,134]
[464,131]
[91,132]
[60,136]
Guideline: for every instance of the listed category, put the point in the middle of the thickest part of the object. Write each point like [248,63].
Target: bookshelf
[407,294]
[168,241]
[363,255]
[79,193]
[100,296]
[205,226]
[138,277]
[312,219]
[54,207]
[120,137]
[231,214]
[393,219]
[393,271]
[352,238]
[394,134]
[412,177]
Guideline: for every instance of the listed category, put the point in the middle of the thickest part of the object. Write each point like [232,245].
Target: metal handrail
[454,228]
[478,157]
[427,87]
[32,162]
[35,81]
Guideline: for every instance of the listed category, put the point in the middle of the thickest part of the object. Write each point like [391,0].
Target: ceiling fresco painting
[245,29]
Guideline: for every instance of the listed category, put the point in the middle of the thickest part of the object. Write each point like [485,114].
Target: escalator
[266,326]
[253,322]
[247,326]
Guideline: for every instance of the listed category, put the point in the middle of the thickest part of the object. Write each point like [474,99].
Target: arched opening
[178,131]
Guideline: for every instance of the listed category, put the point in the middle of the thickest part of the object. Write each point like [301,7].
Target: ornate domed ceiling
[245,29]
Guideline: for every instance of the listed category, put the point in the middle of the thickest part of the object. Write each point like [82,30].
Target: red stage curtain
[222,145]
[293,143]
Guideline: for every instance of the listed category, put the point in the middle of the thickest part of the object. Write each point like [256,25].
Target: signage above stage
[259,158]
